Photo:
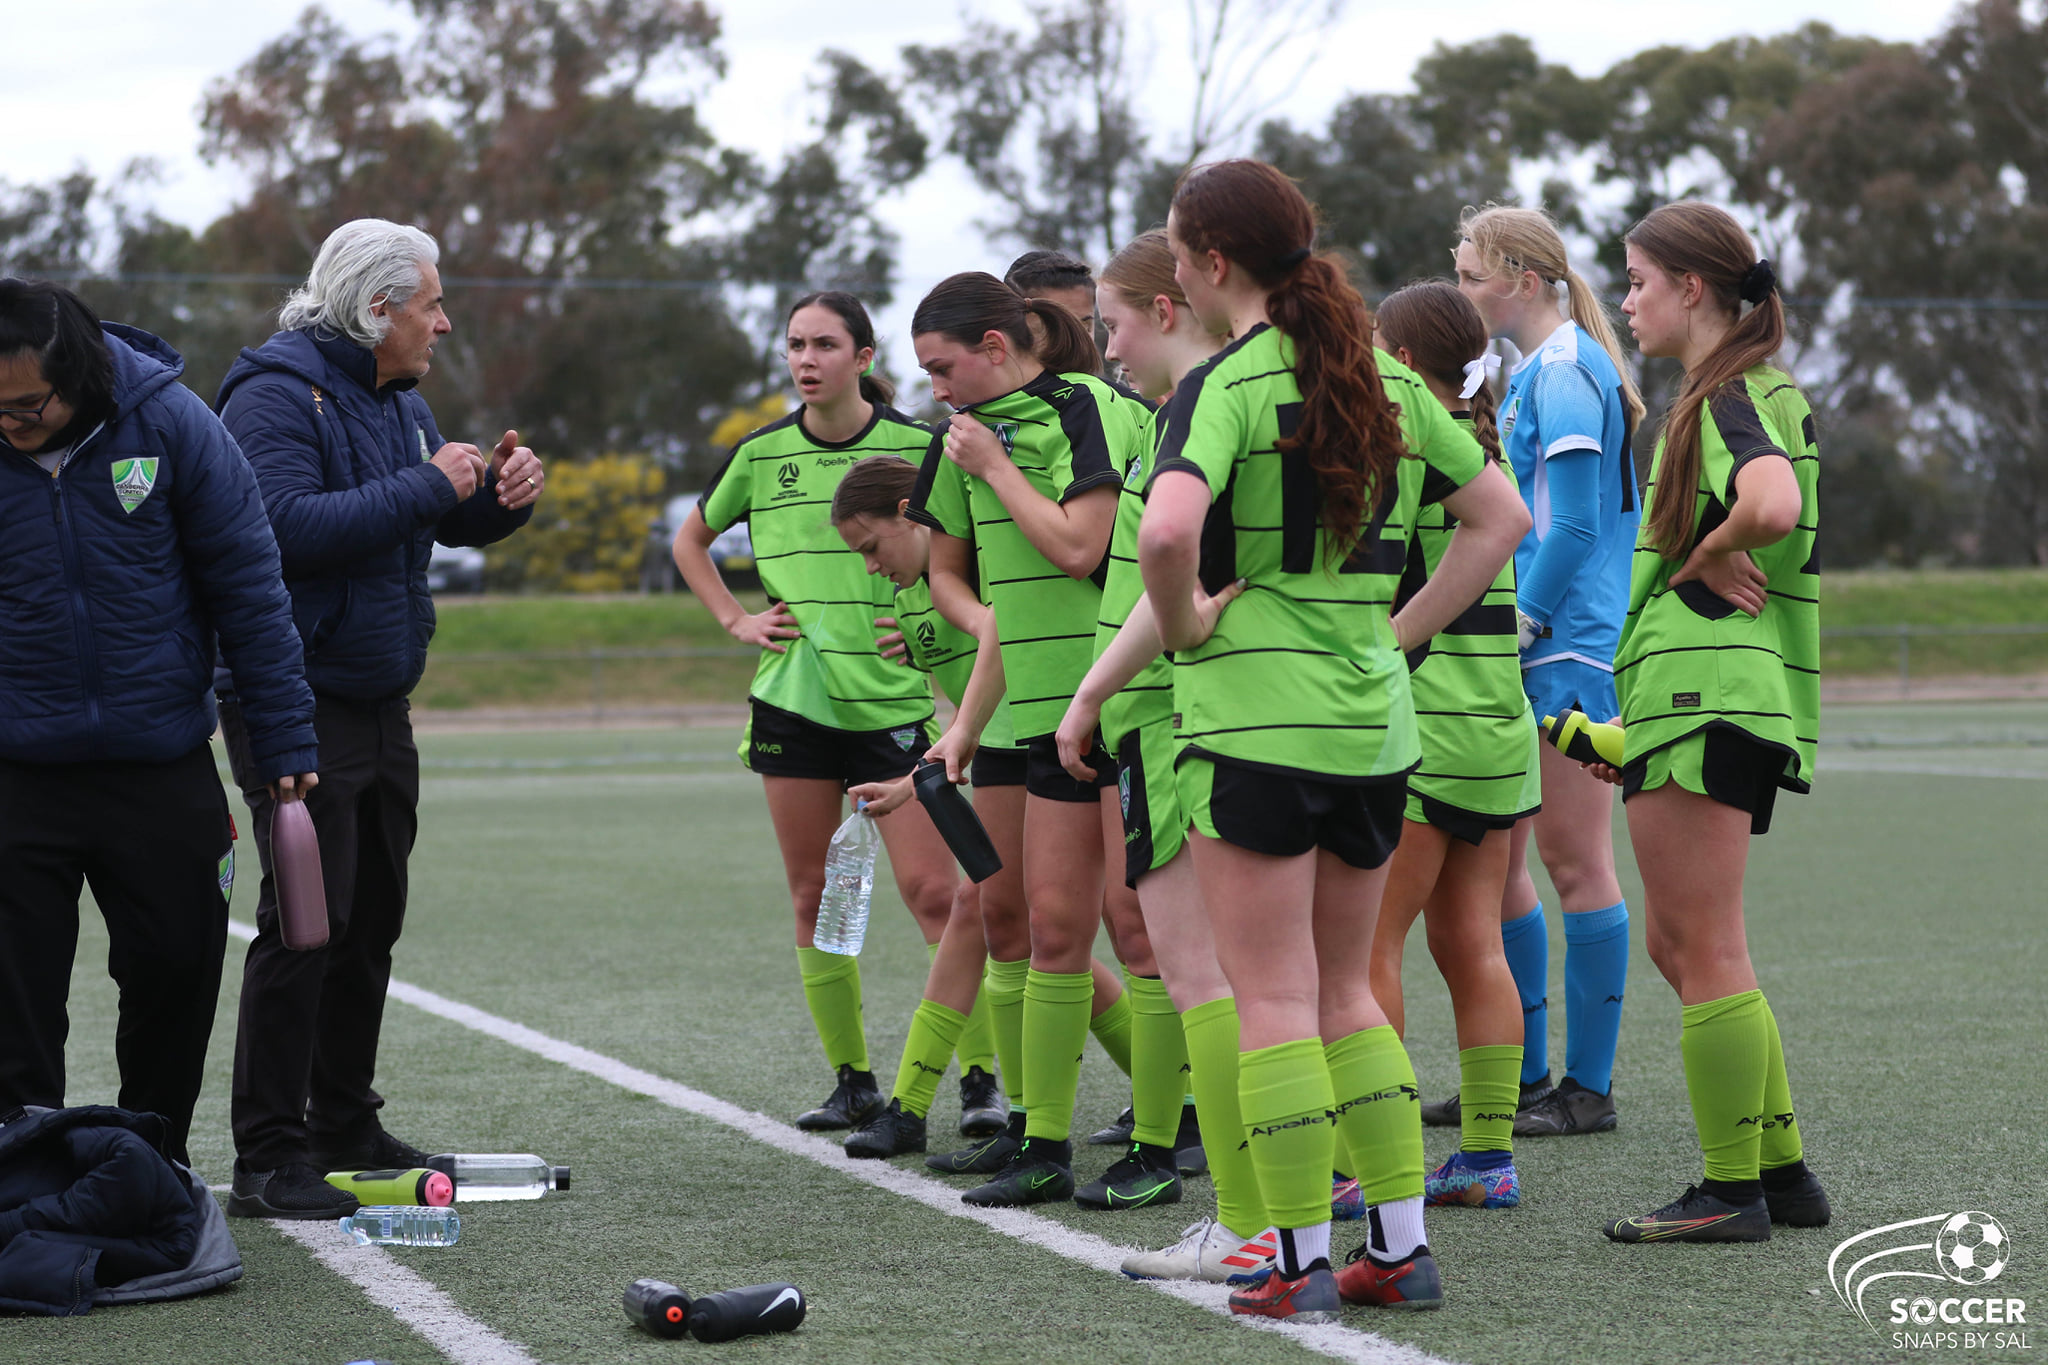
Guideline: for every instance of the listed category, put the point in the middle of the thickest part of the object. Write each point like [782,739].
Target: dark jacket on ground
[109,612]
[355,506]
[92,1211]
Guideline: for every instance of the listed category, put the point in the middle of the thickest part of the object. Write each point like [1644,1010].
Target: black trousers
[306,1042]
[154,842]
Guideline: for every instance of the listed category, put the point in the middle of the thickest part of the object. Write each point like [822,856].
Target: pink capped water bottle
[295,863]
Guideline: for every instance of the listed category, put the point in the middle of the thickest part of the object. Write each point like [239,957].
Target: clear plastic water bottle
[403,1225]
[849,878]
[483,1176]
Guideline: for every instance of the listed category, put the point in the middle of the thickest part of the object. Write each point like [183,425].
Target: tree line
[622,272]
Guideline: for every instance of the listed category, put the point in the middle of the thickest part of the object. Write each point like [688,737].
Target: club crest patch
[904,738]
[1006,432]
[134,481]
[227,873]
[1123,791]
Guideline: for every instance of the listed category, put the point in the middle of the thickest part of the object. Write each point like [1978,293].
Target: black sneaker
[1449,1114]
[1571,1108]
[1188,1156]
[1144,1175]
[984,1109]
[1041,1173]
[985,1157]
[378,1152]
[1797,1200]
[1117,1134]
[1697,1216]
[295,1190]
[889,1133]
[854,1101]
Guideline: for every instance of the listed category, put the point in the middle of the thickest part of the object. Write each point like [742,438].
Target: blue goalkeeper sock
[1527,941]
[1595,977]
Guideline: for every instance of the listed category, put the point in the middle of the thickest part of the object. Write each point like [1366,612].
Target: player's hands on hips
[955,749]
[1076,736]
[891,646]
[520,477]
[1730,575]
[971,445]
[882,797]
[294,788]
[766,630]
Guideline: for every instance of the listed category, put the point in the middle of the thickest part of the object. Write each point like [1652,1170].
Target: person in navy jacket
[132,538]
[359,484]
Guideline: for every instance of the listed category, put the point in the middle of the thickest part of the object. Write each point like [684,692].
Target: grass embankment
[534,625]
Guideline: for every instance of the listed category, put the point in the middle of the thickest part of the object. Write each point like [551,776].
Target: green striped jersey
[1065,433]
[780,480]
[1689,658]
[938,647]
[1302,674]
[1478,738]
[1149,696]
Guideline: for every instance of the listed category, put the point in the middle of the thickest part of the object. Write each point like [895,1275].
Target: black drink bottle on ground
[753,1311]
[957,823]
[659,1307]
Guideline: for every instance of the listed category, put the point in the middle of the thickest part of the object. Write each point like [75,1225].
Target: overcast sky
[98,82]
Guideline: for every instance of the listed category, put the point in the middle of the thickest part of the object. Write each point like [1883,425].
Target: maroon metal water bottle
[295,863]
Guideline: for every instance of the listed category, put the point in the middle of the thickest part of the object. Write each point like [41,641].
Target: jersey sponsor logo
[904,738]
[1685,699]
[762,747]
[134,480]
[835,461]
[226,873]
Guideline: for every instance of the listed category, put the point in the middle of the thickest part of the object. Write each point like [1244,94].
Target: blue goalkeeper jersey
[1565,429]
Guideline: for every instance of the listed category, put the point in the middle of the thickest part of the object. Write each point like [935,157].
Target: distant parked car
[455,569]
[732,552]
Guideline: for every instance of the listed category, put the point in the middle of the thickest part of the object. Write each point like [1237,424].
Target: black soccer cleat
[986,1156]
[1451,1114]
[1797,1200]
[1188,1156]
[379,1151]
[983,1108]
[1117,1134]
[295,1190]
[1143,1176]
[1042,1173]
[1567,1110]
[1697,1216]
[893,1132]
[854,1101]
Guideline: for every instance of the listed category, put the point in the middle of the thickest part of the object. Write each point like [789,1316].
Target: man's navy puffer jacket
[111,597]
[354,504]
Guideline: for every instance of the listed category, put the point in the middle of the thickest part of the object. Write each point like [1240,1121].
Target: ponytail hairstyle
[1443,331]
[874,487]
[1261,223]
[1143,270]
[873,387]
[1528,239]
[968,306]
[1692,238]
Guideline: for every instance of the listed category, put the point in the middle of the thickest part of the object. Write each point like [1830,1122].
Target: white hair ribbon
[1478,372]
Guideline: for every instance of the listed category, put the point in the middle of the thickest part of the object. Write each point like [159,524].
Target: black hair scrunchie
[1294,258]
[1758,282]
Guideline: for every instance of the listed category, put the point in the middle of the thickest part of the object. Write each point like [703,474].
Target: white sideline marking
[412,1299]
[1337,1342]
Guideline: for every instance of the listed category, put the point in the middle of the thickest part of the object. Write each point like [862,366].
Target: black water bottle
[961,828]
[749,1312]
[659,1307]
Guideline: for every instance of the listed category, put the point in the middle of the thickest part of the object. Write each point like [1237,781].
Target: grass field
[620,891]
[502,625]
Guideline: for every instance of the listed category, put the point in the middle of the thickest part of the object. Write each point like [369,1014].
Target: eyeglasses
[30,415]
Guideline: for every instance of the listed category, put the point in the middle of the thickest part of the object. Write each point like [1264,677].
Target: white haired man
[358,485]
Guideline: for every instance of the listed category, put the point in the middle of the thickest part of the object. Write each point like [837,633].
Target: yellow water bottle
[1584,740]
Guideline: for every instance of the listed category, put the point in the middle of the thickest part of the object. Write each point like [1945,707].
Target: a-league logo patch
[226,872]
[134,480]
[904,738]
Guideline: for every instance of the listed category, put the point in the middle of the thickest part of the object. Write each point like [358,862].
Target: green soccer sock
[1779,1145]
[977,1045]
[1211,1032]
[1379,1113]
[1055,1031]
[1002,986]
[832,990]
[1489,1082]
[1112,1029]
[934,1029]
[1159,1056]
[1283,1092]
[1725,1043]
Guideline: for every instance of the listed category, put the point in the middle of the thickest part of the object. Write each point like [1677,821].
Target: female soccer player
[1022,495]
[1284,463]
[1567,421]
[1155,337]
[1478,777]
[867,509]
[827,710]
[1719,674]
